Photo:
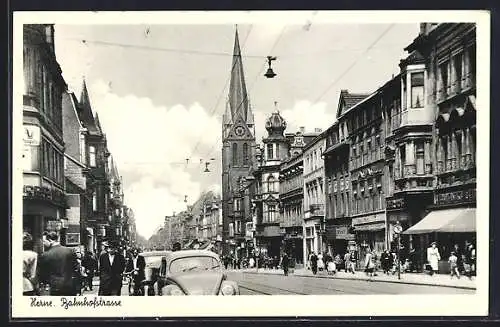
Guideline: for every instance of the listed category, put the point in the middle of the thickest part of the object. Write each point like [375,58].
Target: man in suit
[111,267]
[136,266]
[57,266]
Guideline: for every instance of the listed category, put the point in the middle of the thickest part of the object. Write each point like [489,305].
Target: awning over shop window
[461,220]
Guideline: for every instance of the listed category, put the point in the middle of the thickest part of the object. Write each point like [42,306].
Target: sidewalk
[406,278]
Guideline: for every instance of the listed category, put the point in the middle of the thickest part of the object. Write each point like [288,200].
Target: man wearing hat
[111,267]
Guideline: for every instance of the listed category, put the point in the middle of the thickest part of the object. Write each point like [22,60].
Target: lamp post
[397,230]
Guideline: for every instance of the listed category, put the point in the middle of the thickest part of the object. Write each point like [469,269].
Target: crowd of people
[67,271]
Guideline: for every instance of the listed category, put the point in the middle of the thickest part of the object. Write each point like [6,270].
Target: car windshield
[199,263]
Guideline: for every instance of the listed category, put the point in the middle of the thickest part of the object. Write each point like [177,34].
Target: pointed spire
[238,97]
[86,110]
[84,96]
[97,123]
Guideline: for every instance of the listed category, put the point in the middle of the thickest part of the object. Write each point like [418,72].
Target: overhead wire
[253,82]
[351,66]
[223,90]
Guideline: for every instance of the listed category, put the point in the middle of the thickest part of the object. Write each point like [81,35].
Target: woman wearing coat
[433,257]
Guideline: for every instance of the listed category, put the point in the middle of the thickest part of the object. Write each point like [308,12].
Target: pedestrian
[386,261]
[111,267]
[89,263]
[251,262]
[321,262]
[331,264]
[453,261]
[433,258]
[347,261]
[226,261]
[314,263]
[136,268]
[470,254]
[369,264]
[30,259]
[79,272]
[285,263]
[57,266]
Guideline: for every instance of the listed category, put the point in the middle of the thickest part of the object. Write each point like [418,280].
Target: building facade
[44,203]
[76,171]
[338,192]
[291,198]
[267,177]
[449,58]
[314,196]
[238,146]
[97,159]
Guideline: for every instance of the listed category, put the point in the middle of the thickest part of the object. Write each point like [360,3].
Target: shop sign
[31,135]
[338,232]
[368,219]
[456,197]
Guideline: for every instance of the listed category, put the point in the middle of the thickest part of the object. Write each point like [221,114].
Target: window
[92,156]
[403,79]
[269,151]
[235,154]
[245,154]
[94,201]
[271,213]
[443,69]
[271,184]
[417,90]
[457,65]
[420,158]
[237,204]
[402,151]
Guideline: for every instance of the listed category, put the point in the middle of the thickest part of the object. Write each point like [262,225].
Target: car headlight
[172,290]
[227,289]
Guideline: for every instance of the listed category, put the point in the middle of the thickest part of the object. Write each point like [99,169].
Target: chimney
[302,129]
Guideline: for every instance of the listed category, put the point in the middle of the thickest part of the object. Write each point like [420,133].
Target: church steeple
[88,119]
[238,97]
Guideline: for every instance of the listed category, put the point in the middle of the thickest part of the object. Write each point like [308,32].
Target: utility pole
[398,229]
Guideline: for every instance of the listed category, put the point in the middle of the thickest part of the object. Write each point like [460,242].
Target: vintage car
[193,272]
[153,261]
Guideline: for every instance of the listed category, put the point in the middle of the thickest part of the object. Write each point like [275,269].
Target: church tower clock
[238,146]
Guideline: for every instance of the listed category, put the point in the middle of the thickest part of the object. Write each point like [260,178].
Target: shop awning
[461,220]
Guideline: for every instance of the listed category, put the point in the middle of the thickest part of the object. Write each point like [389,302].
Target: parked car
[194,272]
[152,260]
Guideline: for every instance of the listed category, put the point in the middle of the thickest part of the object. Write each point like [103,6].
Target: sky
[160,92]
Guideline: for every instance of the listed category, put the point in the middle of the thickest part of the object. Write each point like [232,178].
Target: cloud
[150,145]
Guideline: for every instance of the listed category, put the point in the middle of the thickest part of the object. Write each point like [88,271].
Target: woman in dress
[433,257]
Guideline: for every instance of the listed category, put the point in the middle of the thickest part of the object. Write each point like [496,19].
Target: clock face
[239,131]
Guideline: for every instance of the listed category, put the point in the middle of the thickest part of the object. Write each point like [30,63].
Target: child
[453,265]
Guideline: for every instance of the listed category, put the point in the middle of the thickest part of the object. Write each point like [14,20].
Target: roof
[414,57]
[348,100]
